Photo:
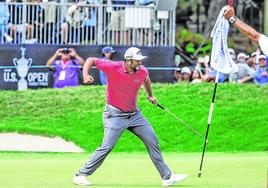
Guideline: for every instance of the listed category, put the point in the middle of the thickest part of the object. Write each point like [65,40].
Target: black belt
[122,114]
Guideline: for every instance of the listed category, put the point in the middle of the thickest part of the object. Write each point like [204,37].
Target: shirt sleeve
[257,75]
[76,64]
[250,71]
[54,65]
[105,65]
[263,42]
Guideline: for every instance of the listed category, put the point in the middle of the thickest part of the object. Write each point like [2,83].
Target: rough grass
[240,119]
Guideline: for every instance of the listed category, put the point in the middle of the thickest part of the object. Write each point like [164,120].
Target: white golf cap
[134,53]
[242,55]
[231,50]
[262,57]
[186,70]
[253,54]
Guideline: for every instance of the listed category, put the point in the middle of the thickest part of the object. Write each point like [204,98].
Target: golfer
[124,79]
[248,31]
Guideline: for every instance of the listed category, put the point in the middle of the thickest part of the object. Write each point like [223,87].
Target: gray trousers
[115,123]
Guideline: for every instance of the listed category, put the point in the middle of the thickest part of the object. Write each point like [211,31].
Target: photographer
[65,64]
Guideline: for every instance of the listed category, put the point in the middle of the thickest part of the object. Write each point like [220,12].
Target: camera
[65,51]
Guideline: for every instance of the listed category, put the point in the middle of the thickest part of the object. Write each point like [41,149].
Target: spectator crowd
[252,68]
[66,65]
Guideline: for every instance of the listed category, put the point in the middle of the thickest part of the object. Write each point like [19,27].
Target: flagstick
[230,3]
[209,121]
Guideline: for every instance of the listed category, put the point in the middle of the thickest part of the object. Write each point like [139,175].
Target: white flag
[220,57]
[263,42]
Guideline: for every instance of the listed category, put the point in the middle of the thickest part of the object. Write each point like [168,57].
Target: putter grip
[160,106]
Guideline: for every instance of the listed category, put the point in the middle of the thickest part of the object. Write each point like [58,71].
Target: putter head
[199,174]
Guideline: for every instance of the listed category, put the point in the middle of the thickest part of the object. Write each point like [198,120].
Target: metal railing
[58,23]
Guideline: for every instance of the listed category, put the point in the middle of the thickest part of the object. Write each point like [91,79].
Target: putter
[180,120]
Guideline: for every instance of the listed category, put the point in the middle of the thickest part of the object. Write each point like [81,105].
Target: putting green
[220,170]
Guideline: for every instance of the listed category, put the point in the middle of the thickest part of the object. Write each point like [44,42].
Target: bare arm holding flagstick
[247,30]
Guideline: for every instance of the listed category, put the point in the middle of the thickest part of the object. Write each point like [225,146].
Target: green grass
[240,120]
[221,170]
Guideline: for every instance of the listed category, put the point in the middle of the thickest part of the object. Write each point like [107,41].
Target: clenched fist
[88,79]
[152,99]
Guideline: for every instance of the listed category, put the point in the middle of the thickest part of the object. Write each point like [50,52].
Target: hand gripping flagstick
[180,120]
[228,68]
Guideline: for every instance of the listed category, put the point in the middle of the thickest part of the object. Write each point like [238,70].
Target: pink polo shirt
[122,87]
